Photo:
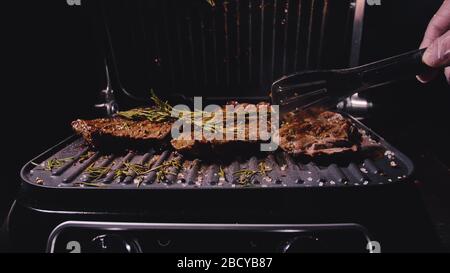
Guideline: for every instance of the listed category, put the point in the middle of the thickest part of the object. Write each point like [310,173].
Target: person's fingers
[438,53]
[424,78]
[447,74]
[438,25]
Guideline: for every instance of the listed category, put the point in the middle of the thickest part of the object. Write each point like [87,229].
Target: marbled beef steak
[318,133]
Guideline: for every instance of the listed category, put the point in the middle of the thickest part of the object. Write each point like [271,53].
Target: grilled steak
[186,142]
[205,146]
[312,133]
[114,130]
[316,134]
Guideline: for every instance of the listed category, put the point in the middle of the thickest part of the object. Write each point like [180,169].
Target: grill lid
[236,47]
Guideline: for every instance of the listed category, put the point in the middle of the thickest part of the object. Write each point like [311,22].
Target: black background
[53,72]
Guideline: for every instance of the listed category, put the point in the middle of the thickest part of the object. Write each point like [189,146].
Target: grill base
[396,225]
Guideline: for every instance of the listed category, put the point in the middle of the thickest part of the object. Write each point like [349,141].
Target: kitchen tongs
[325,88]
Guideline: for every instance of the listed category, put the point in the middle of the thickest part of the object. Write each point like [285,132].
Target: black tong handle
[391,69]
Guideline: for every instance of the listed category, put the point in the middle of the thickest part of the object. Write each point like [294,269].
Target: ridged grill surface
[381,166]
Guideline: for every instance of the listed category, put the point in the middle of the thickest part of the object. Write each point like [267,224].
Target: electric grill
[232,50]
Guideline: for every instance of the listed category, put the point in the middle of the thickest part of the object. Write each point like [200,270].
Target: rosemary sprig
[167,164]
[129,168]
[159,113]
[138,169]
[162,174]
[245,176]
[163,170]
[85,156]
[56,163]
[132,169]
[263,169]
[221,173]
[96,173]
[162,112]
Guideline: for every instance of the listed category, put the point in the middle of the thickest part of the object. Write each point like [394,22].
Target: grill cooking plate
[385,166]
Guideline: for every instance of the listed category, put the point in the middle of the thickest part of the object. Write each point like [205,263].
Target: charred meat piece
[98,131]
[316,134]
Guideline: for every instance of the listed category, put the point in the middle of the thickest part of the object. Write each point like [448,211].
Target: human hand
[437,40]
